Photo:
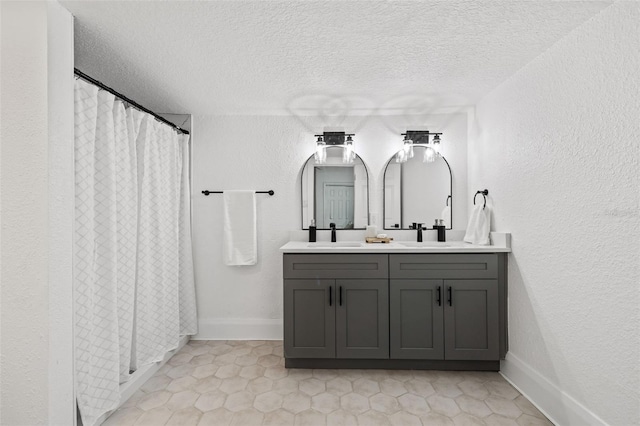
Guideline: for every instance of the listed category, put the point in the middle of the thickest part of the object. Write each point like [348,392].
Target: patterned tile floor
[245,383]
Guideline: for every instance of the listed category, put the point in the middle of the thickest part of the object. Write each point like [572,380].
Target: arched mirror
[335,192]
[416,191]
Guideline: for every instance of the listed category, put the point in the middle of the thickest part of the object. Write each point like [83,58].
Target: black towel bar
[270,192]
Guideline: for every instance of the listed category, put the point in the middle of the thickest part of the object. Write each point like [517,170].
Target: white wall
[61,213]
[557,145]
[262,153]
[36,385]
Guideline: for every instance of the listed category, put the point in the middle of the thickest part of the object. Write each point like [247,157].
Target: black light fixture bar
[334,138]
[420,136]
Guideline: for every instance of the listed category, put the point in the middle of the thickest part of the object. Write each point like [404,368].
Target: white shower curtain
[157,296]
[133,272]
[126,179]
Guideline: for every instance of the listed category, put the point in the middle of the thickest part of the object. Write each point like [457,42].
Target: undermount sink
[336,245]
[423,244]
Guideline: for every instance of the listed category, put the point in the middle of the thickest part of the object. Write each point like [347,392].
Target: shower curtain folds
[133,270]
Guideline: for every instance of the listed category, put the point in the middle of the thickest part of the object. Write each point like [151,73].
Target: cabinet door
[362,319]
[309,319]
[416,319]
[471,320]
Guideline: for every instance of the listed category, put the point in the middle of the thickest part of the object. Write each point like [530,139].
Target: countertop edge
[302,247]
[501,243]
[394,250]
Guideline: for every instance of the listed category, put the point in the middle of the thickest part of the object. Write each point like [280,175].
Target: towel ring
[448,198]
[484,195]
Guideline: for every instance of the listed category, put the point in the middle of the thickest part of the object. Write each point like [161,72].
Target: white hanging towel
[240,244]
[479,226]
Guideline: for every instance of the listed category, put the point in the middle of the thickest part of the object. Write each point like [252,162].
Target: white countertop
[501,243]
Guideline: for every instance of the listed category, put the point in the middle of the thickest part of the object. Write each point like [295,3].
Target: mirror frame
[366,169]
[384,194]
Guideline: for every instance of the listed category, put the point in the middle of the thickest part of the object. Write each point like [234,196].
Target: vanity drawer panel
[336,266]
[472,266]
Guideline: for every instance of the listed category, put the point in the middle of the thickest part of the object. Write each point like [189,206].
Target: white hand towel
[240,243]
[479,226]
[446,215]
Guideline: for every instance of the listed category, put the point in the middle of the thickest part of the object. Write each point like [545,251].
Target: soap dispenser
[312,231]
[441,230]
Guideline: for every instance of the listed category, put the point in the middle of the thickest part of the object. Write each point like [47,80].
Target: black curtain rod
[270,192]
[103,86]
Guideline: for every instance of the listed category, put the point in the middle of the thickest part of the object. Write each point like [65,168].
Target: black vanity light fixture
[414,138]
[342,139]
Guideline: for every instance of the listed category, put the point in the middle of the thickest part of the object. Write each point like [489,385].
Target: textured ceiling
[314,57]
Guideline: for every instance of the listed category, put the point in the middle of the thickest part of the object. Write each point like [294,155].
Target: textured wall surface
[61,213]
[264,153]
[24,252]
[36,371]
[261,58]
[557,145]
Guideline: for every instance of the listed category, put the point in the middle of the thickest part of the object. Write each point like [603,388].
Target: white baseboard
[239,329]
[559,407]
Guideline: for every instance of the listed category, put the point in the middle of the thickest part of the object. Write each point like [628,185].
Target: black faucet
[333,232]
[419,228]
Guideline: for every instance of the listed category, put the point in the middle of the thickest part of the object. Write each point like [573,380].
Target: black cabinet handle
[449,296]
[340,295]
[439,296]
[330,295]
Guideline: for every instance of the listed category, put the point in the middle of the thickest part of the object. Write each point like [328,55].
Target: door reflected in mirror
[417,192]
[334,192]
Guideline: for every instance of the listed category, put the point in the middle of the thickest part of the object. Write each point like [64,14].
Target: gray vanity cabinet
[395,310]
[336,306]
[441,310]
